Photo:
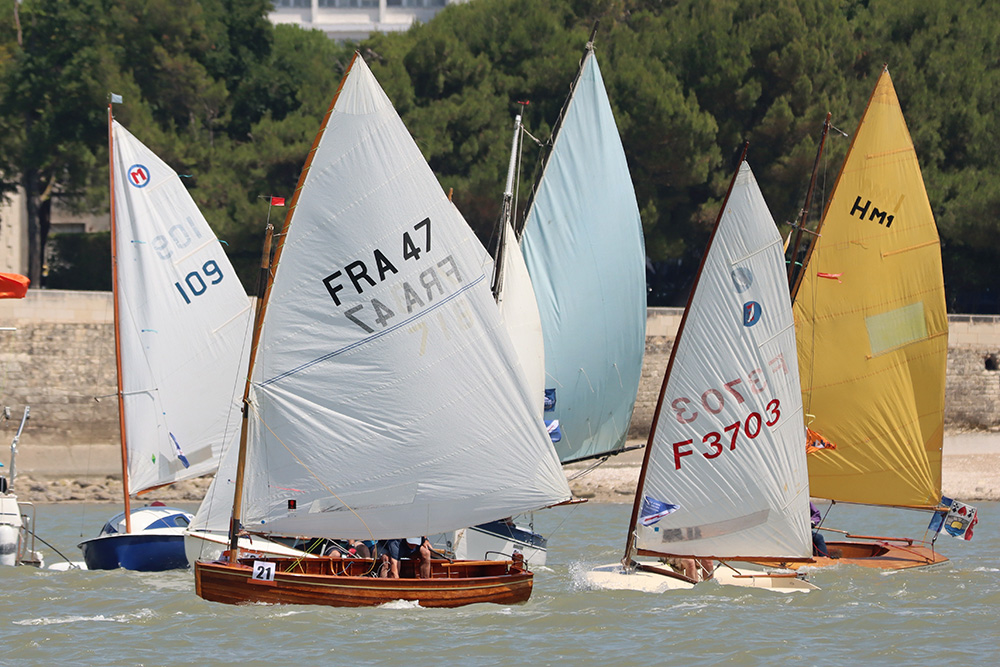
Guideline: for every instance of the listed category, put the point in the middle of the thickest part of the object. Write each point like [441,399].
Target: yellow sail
[872,329]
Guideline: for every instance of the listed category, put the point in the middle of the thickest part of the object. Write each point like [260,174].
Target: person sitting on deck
[819,542]
[695,569]
[413,548]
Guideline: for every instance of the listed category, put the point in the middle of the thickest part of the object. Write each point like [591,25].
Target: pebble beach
[970,472]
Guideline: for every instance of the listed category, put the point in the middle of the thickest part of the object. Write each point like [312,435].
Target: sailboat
[385,397]
[181,326]
[515,298]
[581,241]
[583,246]
[872,332]
[724,472]
[17,536]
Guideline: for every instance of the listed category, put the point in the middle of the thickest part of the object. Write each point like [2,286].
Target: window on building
[415,3]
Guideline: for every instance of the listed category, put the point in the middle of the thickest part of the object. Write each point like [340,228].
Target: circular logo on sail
[742,278]
[751,313]
[138,175]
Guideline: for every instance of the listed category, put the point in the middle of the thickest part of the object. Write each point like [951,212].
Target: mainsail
[386,398]
[183,321]
[725,471]
[872,324]
[583,245]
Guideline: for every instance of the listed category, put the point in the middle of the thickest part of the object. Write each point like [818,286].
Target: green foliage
[79,262]
[224,96]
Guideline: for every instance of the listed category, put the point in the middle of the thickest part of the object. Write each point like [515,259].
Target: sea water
[947,615]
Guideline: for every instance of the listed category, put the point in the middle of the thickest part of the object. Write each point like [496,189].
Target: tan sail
[871,324]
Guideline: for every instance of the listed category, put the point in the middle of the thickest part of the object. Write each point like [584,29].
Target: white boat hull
[615,577]
[15,548]
[496,542]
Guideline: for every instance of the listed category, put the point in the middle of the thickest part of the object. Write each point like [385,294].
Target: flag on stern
[958,520]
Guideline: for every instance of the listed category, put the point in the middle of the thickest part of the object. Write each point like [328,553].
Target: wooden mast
[263,283]
[819,226]
[637,503]
[793,276]
[265,280]
[118,347]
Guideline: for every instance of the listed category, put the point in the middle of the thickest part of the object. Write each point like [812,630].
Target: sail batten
[583,246]
[387,398]
[872,324]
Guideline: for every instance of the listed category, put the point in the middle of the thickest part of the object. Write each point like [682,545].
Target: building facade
[356,19]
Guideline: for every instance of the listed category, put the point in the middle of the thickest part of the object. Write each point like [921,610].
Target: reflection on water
[943,616]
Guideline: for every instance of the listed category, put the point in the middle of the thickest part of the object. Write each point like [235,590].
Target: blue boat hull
[136,551]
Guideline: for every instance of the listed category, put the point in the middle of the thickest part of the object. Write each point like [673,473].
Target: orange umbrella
[13,286]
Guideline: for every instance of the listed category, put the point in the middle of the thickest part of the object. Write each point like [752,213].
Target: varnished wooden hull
[343,583]
[883,555]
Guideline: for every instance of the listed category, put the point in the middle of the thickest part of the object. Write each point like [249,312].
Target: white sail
[583,246]
[387,399]
[726,474]
[514,293]
[183,323]
[519,314]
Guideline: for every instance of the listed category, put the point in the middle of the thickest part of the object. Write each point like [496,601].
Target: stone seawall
[60,361]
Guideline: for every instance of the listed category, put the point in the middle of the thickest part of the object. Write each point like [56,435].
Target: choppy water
[949,615]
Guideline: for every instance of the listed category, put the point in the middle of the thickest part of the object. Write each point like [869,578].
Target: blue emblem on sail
[751,313]
[550,400]
[653,510]
[180,452]
[553,428]
[137,176]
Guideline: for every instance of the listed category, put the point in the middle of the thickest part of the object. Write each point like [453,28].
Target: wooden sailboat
[724,471]
[872,332]
[181,326]
[385,397]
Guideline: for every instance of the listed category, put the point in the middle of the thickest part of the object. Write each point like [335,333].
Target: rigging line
[556,530]
[533,138]
[597,462]
[71,563]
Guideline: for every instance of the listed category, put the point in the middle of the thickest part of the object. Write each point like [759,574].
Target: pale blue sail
[582,242]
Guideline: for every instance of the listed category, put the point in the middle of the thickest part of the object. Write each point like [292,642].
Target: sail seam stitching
[357,343]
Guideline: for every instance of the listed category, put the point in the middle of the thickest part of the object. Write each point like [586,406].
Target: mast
[793,278]
[118,348]
[262,285]
[637,502]
[506,211]
[263,293]
[588,49]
